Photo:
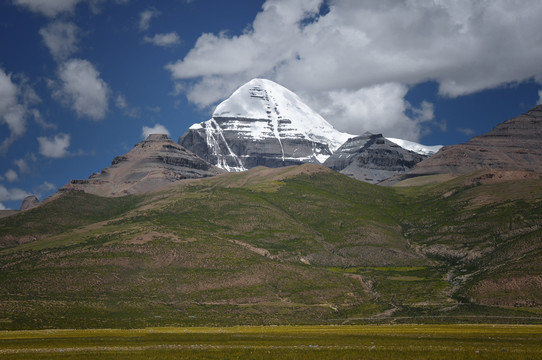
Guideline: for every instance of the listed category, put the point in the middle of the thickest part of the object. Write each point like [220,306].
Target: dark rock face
[372,158]
[514,145]
[29,202]
[220,143]
[152,163]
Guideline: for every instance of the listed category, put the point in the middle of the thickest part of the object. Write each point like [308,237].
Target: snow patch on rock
[417,148]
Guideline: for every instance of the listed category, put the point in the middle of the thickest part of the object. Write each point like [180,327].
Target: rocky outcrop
[29,202]
[514,145]
[152,163]
[372,158]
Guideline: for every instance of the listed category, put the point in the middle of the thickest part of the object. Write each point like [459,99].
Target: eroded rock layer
[372,158]
[152,163]
[514,145]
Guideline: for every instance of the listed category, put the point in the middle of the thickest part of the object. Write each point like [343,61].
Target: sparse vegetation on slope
[65,213]
[299,245]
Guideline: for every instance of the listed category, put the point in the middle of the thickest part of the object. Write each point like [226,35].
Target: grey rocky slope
[29,202]
[372,158]
[152,163]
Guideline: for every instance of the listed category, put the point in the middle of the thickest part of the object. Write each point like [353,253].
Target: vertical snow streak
[212,128]
[275,123]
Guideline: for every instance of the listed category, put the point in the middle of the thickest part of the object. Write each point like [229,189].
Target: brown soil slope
[152,163]
[512,145]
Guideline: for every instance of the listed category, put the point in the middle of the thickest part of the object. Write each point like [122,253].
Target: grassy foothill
[284,342]
[301,245]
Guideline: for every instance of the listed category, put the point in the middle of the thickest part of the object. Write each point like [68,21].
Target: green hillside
[297,245]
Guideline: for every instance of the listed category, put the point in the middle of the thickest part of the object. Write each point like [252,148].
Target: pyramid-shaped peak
[264,84]
[261,82]
[264,100]
[263,123]
[261,99]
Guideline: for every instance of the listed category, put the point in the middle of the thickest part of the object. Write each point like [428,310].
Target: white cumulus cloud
[15,100]
[466,131]
[163,40]
[122,104]
[55,147]
[13,194]
[38,119]
[23,166]
[53,8]
[377,109]
[11,175]
[49,8]
[156,129]
[60,37]
[44,189]
[145,18]
[82,88]
[8,99]
[539,102]
[357,47]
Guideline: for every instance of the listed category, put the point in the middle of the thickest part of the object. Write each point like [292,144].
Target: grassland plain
[284,342]
[297,245]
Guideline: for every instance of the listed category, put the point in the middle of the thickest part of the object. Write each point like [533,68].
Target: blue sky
[81,81]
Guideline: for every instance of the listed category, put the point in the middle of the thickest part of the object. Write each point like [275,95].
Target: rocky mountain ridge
[29,202]
[372,158]
[513,145]
[265,124]
[152,163]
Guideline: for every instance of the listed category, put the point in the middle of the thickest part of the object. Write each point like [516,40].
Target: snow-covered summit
[285,115]
[263,123]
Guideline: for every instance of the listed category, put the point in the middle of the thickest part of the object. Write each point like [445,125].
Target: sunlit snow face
[287,115]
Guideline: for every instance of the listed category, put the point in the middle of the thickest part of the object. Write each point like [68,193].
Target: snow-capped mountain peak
[263,123]
[282,111]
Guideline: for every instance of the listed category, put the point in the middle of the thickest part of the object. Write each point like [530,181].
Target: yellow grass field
[282,342]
